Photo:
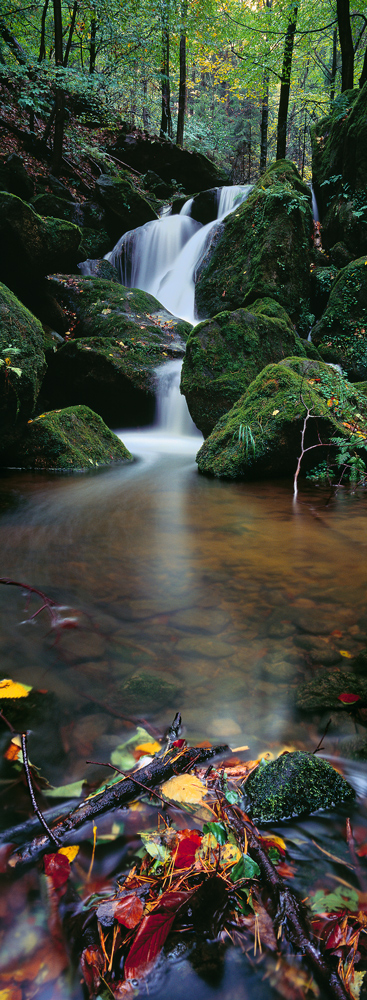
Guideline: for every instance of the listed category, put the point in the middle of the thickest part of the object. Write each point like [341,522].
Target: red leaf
[335,938]
[348,699]
[152,933]
[91,964]
[57,867]
[129,911]
[362,851]
[185,856]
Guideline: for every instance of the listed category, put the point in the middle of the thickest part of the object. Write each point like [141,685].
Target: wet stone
[317,623]
[202,646]
[146,690]
[225,727]
[279,630]
[81,645]
[323,690]
[328,657]
[204,619]
[295,784]
[281,670]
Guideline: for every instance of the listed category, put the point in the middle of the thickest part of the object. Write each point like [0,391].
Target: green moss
[295,784]
[273,410]
[21,330]
[38,244]
[340,334]
[226,353]
[70,439]
[119,196]
[149,691]
[262,250]
[323,690]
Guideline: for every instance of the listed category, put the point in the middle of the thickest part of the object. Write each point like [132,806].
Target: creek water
[216,599]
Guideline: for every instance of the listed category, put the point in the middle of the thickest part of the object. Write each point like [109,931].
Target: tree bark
[333,67]
[13,44]
[59,93]
[42,51]
[166,120]
[346,43]
[92,47]
[264,123]
[285,84]
[182,84]
[363,76]
[71,32]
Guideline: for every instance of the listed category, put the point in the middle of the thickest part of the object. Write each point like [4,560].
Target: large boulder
[226,353]
[295,784]
[31,246]
[62,440]
[125,208]
[191,170]
[22,365]
[262,249]
[339,166]
[261,434]
[341,333]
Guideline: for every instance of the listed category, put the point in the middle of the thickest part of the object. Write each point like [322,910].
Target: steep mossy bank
[22,365]
[262,250]
[261,434]
[70,439]
[340,334]
[225,354]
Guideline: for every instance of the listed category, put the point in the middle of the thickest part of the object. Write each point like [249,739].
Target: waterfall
[162,257]
[315,210]
[172,415]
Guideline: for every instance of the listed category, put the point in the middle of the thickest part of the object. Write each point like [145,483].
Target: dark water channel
[217,599]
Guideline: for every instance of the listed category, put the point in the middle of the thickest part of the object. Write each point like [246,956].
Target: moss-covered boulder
[190,169]
[296,784]
[341,333]
[125,207]
[22,365]
[322,282]
[261,434]
[262,249]
[148,691]
[62,440]
[31,246]
[324,690]
[226,353]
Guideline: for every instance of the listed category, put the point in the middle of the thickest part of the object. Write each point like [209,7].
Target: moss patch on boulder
[262,249]
[22,365]
[323,690]
[261,434]
[148,691]
[126,208]
[70,439]
[341,333]
[225,354]
[296,784]
[33,244]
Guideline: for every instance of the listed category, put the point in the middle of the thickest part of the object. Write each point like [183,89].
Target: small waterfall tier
[163,256]
[172,415]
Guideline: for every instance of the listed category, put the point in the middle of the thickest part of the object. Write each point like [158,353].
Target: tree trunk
[14,46]
[333,66]
[264,123]
[363,76]
[42,51]
[166,120]
[285,84]
[92,47]
[346,43]
[181,93]
[59,93]
[71,31]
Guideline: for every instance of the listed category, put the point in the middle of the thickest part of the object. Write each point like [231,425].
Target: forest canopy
[242,81]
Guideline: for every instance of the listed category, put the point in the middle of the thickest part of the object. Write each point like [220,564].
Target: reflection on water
[213,598]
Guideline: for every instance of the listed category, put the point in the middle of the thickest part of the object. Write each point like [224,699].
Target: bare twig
[55,840]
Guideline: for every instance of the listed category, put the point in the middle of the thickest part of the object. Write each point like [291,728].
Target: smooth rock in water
[324,690]
[295,784]
[64,440]
[147,691]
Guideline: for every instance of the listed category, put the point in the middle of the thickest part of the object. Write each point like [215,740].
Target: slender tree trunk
[166,120]
[13,44]
[333,66]
[71,32]
[363,76]
[346,43]
[59,93]
[42,51]
[264,123]
[285,84]
[92,47]
[181,93]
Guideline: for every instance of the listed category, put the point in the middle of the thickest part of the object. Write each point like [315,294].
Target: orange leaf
[129,911]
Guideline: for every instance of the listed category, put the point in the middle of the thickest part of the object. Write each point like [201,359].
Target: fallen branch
[161,768]
[288,916]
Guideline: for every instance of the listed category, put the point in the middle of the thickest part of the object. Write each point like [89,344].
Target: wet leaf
[69,852]
[184,788]
[57,866]
[347,698]
[129,911]
[152,934]
[14,750]
[345,652]
[150,748]
[186,851]
[11,689]
[230,855]
[343,898]
[74,790]
[245,868]
[218,830]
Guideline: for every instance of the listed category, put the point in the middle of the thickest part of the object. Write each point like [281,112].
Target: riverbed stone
[74,438]
[340,334]
[262,249]
[295,784]
[145,691]
[323,690]
[261,434]
[224,355]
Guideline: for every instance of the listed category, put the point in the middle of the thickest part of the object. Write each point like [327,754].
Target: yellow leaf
[274,413]
[70,852]
[184,788]
[11,689]
[230,854]
[345,652]
[276,840]
[149,747]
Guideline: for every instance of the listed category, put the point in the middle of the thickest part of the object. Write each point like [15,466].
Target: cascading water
[162,257]
[172,415]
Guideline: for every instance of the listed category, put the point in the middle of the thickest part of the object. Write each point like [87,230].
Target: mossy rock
[323,690]
[23,333]
[70,439]
[148,691]
[262,250]
[95,243]
[261,434]
[58,208]
[296,784]
[225,354]
[99,307]
[34,244]
[322,282]
[341,333]
[126,208]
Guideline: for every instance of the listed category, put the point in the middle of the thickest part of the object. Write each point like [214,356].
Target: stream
[217,599]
